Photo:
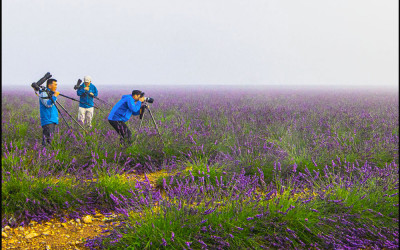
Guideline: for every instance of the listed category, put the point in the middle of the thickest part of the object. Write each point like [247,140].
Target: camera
[36,85]
[78,84]
[147,99]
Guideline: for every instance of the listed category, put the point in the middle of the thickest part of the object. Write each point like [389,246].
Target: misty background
[290,43]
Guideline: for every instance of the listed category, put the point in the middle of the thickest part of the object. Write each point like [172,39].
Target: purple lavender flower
[202,243]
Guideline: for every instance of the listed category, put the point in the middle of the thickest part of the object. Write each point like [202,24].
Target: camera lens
[35,86]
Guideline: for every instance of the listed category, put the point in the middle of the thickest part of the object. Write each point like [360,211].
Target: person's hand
[56,93]
[91,94]
[141,99]
[86,88]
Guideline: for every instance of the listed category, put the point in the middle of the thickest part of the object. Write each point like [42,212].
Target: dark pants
[48,132]
[122,129]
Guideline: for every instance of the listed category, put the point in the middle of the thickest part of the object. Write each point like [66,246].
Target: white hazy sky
[177,42]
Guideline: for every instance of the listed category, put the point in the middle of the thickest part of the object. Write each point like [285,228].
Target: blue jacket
[123,110]
[86,101]
[48,111]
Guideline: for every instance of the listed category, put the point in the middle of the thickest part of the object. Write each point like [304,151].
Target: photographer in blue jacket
[86,92]
[123,110]
[48,110]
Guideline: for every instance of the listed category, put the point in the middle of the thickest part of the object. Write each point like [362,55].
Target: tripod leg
[96,107]
[63,118]
[155,124]
[81,102]
[102,101]
[71,116]
[59,112]
[140,125]
[141,121]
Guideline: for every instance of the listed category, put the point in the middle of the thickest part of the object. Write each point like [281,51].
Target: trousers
[48,132]
[85,115]
[122,129]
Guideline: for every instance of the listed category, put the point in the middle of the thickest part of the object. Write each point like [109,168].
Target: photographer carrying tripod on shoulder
[48,110]
[86,92]
[122,111]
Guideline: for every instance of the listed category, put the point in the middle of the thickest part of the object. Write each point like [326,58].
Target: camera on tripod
[37,85]
[147,99]
[78,84]
[143,109]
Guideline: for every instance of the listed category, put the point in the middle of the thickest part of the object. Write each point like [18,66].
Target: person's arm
[47,102]
[95,92]
[134,107]
[81,90]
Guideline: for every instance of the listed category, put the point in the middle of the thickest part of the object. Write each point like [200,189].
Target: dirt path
[57,235]
[70,235]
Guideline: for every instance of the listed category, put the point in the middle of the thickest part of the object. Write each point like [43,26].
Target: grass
[31,194]
[286,215]
[208,137]
[192,169]
[27,193]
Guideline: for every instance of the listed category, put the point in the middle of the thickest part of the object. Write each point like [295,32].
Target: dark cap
[137,92]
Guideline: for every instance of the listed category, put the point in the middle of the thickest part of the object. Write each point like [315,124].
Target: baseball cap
[87,79]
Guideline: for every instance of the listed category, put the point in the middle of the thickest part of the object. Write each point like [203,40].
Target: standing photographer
[122,111]
[48,110]
[86,92]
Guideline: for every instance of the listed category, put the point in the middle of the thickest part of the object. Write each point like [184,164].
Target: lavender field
[239,169]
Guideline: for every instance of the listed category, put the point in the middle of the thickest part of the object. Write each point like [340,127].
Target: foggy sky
[194,42]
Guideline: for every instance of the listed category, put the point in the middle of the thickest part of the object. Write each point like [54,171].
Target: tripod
[68,115]
[81,102]
[78,86]
[145,107]
[49,96]
[102,101]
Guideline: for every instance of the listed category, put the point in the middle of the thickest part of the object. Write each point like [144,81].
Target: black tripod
[82,102]
[78,85]
[143,108]
[37,88]
[102,101]
[49,96]
[68,115]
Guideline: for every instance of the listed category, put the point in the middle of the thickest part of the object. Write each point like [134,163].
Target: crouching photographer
[122,111]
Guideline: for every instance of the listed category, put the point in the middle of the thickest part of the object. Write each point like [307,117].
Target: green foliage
[382,157]
[114,183]
[28,193]
[187,221]
[206,139]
